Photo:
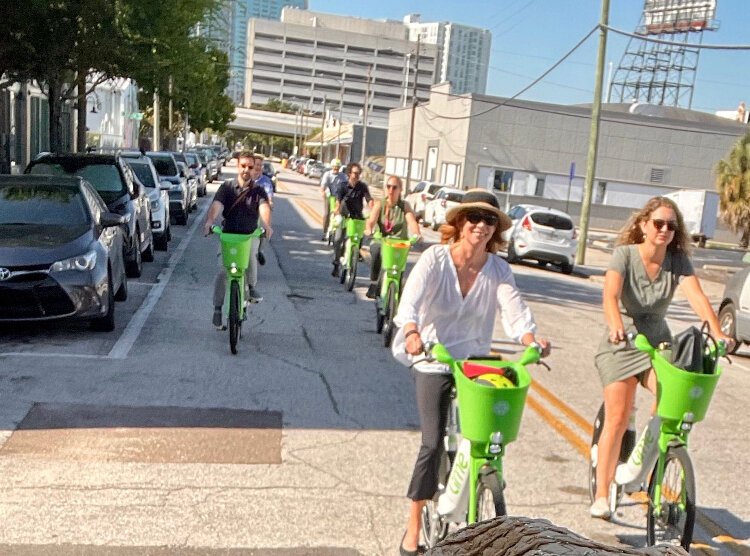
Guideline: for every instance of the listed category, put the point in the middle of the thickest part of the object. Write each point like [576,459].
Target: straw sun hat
[479,199]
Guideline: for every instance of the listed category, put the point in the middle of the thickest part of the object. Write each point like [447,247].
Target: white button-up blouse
[432,299]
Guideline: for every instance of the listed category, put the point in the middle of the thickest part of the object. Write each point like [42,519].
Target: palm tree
[733,185]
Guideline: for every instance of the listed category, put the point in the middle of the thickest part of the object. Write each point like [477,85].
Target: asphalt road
[154,439]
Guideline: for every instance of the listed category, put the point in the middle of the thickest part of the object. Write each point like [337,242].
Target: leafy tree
[733,185]
[277,105]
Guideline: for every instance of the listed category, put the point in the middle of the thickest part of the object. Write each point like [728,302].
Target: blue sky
[528,36]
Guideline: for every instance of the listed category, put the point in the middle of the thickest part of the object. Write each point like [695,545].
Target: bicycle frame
[354,232]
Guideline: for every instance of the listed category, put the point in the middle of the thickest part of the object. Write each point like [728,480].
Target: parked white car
[445,199]
[146,174]
[543,234]
[422,193]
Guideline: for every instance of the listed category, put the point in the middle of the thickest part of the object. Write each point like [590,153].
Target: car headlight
[84,262]
[154,205]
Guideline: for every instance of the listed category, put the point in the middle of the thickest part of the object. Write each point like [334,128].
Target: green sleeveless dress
[396,225]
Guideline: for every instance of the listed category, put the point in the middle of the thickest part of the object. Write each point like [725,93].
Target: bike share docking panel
[147,434]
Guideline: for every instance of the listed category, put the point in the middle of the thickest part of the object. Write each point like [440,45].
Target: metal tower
[664,74]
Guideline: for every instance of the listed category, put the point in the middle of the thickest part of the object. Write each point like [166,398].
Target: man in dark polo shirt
[350,203]
[240,203]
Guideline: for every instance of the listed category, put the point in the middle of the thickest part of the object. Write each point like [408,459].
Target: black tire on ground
[512,257]
[379,315]
[122,293]
[134,267]
[161,243]
[235,319]
[728,324]
[169,231]
[390,312]
[351,275]
[490,498]
[678,513]
[148,253]
[566,268]
[107,322]
[182,220]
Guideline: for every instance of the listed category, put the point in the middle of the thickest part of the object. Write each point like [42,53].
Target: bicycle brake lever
[543,364]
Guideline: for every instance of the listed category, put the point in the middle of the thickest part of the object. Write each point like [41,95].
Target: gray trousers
[433,402]
[251,275]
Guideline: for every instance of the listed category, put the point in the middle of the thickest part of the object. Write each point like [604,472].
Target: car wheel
[182,220]
[512,256]
[162,242]
[566,268]
[134,267]
[728,324]
[148,254]
[107,322]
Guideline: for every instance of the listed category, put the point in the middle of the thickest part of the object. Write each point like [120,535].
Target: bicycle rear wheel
[235,321]
[390,312]
[379,313]
[676,506]
[490,498]
[351,273]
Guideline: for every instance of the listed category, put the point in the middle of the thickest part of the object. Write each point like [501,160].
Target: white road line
[55,355]
[121,349]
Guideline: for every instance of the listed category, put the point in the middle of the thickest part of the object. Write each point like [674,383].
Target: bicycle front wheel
[671,518]
[490,497]
[351,275]
[235,319]
[390,312]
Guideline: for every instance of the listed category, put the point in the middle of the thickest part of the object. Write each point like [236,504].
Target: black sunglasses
[486,217]
[659,224]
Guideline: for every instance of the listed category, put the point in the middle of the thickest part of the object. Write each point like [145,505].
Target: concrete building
[226,27]
[525,150]
[310,57]
[463,52]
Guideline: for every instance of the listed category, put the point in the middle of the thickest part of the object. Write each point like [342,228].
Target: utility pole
[593,136]
[365,115]
[341,109]
[296,113]
[157,145]
[171,133]
[414,102]
[322,126]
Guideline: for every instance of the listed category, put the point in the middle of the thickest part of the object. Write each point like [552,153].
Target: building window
[601,192]
[449,173]
[539,191]
[503,180]
[432,155]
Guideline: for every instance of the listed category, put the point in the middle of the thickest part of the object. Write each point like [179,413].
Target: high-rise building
[311,58]
[463,52]
[226,27]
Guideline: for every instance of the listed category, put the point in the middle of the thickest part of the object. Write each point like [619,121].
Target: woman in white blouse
[451,297]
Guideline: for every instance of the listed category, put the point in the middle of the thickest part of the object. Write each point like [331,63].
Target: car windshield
[454,197]
[191,158]
[104,177]
[552,220]
[433,189]
[42,205]
[143,173]
[165,165]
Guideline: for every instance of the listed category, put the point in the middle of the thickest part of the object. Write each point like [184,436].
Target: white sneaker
[600,509]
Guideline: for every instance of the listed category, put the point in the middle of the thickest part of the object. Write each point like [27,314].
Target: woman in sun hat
[452,296]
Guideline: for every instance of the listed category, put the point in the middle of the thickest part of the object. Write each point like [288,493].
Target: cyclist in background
[329,185]
[240,203]
[350,201]
[393,217]
[265,182]
[651,259]
[451,297]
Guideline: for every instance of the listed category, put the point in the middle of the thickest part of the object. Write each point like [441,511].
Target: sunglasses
[659,224]
[389,186]
[355,173]
[250,166]
[486,217]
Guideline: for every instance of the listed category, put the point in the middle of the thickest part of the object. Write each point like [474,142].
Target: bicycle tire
[490,497]
[234,316]
[351,275]
[390,312]
[379,315]
[678,516]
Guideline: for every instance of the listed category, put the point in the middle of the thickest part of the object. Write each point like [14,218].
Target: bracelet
[415,331]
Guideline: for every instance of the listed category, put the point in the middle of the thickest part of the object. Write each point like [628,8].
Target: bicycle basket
[235,249]
[394,253]
[680,392]
[484,410]
[355,227]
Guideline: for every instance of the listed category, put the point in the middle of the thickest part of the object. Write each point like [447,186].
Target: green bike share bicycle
[331,229]
[394,253]
[660,457]
[236,250]
[355,231]
[488,401]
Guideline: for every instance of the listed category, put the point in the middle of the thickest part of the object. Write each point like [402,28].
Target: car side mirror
[110,219]
[165,184]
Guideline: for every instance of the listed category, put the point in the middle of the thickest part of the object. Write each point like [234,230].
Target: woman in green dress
[651,259]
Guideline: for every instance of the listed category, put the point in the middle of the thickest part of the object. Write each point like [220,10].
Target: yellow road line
[584,424]
[566,432]
[309,210]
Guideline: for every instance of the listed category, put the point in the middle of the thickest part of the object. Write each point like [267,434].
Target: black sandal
[403,552]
